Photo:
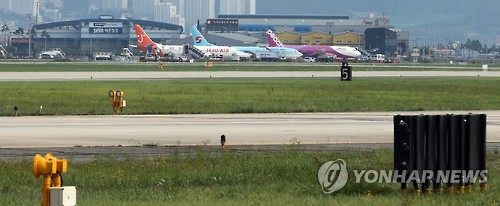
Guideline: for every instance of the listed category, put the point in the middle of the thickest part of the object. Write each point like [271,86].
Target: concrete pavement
[306,128]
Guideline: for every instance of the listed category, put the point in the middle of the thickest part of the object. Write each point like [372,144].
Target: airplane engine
[151,49]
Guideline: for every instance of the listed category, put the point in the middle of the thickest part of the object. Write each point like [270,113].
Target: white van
[309,59]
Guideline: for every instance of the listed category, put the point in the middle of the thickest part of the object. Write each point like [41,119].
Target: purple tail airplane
[341,52]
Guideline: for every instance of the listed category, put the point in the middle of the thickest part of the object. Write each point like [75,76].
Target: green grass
[252,96]
[223,66]
[288,177]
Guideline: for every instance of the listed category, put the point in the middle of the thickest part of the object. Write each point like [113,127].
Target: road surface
[73,76]
[205,129]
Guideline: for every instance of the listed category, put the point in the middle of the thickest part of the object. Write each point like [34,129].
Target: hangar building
[85,36]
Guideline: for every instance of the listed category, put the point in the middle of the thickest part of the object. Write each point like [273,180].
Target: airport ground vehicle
[377,58]
[103,56]
[55,53]
[309,59]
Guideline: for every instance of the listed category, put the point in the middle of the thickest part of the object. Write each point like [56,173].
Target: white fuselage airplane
[145,44]
[214,50]
[224,52]
[313,50]
[260,52]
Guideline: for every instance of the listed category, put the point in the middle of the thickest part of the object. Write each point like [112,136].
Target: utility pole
[29,33]
[37,12]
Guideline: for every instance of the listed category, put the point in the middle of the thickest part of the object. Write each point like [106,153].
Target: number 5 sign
[345,72]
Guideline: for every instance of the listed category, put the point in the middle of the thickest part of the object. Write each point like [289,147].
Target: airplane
[342,52]
[225,52]
[145,44]
[259,52]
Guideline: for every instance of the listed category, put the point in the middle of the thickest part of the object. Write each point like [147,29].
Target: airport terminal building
[86,36]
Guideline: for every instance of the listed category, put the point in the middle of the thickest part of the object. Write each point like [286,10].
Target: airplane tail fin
[273,39]
[143,39]
[198,38]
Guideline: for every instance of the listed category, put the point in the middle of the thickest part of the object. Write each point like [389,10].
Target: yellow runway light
[51,168]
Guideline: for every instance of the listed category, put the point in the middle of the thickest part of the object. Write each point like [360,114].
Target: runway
[81,76]
[205,129]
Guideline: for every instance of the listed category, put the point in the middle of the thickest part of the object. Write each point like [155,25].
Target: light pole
[29,33]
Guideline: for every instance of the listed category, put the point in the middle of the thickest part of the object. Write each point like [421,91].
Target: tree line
[476,45]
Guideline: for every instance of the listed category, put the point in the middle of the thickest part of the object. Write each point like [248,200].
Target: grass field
[285,177]
[251,96]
